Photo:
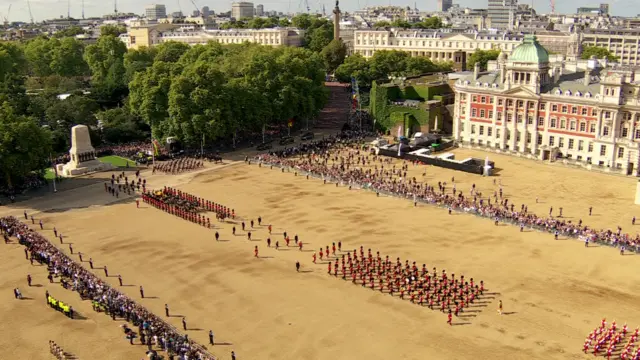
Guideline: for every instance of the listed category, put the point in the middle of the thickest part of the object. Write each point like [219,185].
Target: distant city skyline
[49,9]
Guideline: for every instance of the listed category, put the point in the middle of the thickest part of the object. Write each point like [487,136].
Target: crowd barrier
[472,211]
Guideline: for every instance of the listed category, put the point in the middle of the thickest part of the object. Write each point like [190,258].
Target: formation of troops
[152,330]
[448,293]
[187,206]
[346,161]
[178,166]
[120,183]
[613,341]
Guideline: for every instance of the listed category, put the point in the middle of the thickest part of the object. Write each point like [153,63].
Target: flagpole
[55,173]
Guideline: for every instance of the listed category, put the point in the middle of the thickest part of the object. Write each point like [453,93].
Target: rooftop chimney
[587,77]
[556,74]
[476,71]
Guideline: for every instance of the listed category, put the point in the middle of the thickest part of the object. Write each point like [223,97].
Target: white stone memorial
[83,155]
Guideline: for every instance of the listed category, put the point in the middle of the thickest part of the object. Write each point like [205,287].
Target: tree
[399,23]
[137,60]
[24,146]
[120,126]
[102,55]
[355,66]
[382,24]
[433,22]
[62,57]
[69,32]
[334,54]
[482,57]
[302,21]
[106,61]
[149,94]
[284,22]
[13,68]
[171,51]
[67,58]
[598,52]
[319,38]
[38,53]
[112,30]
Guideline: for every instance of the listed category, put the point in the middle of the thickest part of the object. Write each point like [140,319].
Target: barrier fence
[473,211]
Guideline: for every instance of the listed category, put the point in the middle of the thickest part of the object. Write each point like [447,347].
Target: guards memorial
[83,155]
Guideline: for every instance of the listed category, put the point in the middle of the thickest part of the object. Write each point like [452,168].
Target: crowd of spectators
[31,182]
[342,160]
[152,330]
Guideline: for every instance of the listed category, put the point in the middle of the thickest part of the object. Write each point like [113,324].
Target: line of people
[60,306]
[178,166]
[57,351]
[92,287]
[605,340]
[345,161]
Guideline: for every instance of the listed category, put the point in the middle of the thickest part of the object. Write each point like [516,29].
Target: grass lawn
[49,174]
[117,161]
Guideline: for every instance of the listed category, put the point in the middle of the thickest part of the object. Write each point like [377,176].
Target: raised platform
[445,160]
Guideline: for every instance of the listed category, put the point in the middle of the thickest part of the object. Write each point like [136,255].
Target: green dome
[530,51]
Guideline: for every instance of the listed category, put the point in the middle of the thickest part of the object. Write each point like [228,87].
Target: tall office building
[499,12]
[259,10]
[155,11]
[444,5]
[205,12]
[241,10]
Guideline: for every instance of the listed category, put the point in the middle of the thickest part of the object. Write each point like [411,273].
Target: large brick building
[531,107]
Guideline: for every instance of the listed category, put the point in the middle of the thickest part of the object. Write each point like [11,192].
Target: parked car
[264,146]
[287,140]
[306,136]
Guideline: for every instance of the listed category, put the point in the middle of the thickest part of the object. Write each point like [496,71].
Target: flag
[290,123]
[156,147]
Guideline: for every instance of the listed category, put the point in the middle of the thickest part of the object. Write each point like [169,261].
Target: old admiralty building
[587,114]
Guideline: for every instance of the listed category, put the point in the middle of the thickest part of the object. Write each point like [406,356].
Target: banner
[290,123]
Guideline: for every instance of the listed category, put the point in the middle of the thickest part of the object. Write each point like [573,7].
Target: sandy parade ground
[554,292]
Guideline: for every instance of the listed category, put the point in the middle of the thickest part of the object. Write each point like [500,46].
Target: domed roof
[530,51]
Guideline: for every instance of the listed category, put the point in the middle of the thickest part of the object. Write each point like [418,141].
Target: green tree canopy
[69,32]
[433,22]
[24,146]
[61,57]
[381,24]
[386,63]
[598,52]
[113,30]
[482,57]
[334,54]
[399,23]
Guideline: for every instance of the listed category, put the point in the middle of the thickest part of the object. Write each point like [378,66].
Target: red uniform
[255,251]
[314,258]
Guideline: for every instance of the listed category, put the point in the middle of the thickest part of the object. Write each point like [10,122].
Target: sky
[48,9]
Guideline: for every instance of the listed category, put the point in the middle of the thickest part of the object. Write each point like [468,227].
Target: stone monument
[83,155]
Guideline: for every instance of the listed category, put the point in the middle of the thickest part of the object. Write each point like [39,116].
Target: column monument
[83,155]
[336,21]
